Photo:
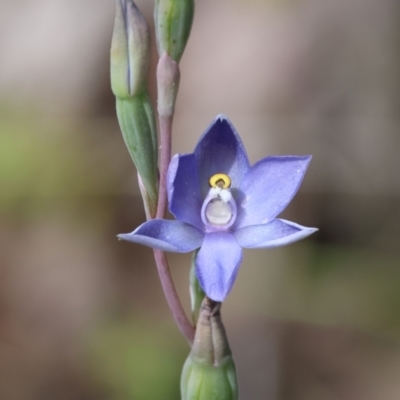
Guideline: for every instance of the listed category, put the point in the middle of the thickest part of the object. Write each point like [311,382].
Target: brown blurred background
[82,316]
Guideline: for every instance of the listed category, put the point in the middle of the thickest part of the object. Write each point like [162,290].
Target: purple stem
[171,295]
[161,260]
[165,159]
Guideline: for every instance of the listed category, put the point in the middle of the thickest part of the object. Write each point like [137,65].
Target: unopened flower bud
[130,50]
[209,372]
[173,22]
[138,127]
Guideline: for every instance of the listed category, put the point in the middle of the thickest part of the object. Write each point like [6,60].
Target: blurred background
[82,316]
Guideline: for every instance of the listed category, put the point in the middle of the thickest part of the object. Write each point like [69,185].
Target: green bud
[173,21]
[130,50]
[130,59]
[168,76]
[136,119]
[196,292]
[206,382]
[209,372]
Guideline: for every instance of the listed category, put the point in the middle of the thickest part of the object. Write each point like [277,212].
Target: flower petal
[220,149]
[217,264]
[268,187]
[166,235]
[183,188]
[278,232]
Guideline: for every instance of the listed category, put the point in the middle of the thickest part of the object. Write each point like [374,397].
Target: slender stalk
[167,283]
[164,273]
[171,295]
[165,159]
[168,76]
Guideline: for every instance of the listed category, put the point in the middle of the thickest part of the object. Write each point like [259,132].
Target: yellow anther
[220,180]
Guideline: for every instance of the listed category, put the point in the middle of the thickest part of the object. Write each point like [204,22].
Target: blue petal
[268,187]
[217,264]
[183,188]
[166,235]
[221,150]
[278,232]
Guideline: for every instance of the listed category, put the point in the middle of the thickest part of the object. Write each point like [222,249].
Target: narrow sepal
[167,235]
[278,232]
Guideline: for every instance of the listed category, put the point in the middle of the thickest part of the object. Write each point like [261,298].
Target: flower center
[219,207]
[218,212]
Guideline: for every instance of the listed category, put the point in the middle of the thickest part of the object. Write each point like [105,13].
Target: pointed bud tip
[173,22]
[130,50]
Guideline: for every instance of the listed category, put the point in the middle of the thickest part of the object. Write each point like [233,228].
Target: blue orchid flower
[222,204]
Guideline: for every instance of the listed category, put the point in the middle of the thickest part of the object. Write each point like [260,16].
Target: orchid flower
[222,204]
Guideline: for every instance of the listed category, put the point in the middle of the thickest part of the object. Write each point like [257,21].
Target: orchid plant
[220,202]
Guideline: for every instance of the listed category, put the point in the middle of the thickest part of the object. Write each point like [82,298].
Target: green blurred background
[82,316]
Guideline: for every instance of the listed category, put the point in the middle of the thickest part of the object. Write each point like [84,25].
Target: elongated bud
[209,372]
[137,123]
[196,292]
[173,22]
[168,76]
[130,50]
[130,58]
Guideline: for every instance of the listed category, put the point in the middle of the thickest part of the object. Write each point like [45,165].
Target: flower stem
[165,159]
[164,273]
[171,295]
